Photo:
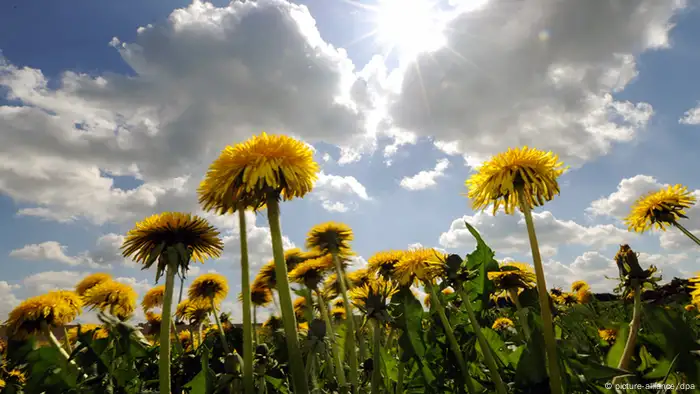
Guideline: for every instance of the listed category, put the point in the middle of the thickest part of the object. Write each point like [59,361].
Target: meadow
[484,327]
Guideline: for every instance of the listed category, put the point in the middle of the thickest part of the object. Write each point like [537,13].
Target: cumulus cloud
[618,204]
[338,193]
[220,71]
[52,251]
[507,233]
[426,179]
[691,116]
[534,72]
[8,300]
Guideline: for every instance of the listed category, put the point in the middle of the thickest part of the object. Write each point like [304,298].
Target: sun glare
[405,26]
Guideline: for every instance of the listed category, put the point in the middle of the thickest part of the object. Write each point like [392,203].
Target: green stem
[555,380]
[182,286]
[52,338]
[350,321]
[164,360]
[686,232]
[389,336]
[255,326]
[296,362]
[224,342]
[483,343]
[399,377]
[376,357]
[340,372]
[200,335]
[248,382]
[192,338]
[634,326]
[362,346]
[513,293]
[69,349]
[178,345]
[449,333]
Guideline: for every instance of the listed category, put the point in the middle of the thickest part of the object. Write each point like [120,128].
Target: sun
[407,27]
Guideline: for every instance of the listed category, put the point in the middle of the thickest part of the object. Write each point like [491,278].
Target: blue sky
[97,132]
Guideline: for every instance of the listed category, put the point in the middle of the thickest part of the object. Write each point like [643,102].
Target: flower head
[153,298]
[300,307]
[513,275]
[499,179]
[152,237]
[273,323]
[566,299]
[185,338]
[247,173]
[371,299]
[502,323]
[311,272]
[584,295]
[3,346]
[690,308]
[260,295]
[98,332]
[91,281]
[556,292]
[423,264]
[608,335]
[331,238]
[360,277]
[338,303]
[209,287]
[117,298]
[695,289]
[382,263]
[578,285]
[338,313]
[660,209]
[56,308]
[445,291]
[193,311]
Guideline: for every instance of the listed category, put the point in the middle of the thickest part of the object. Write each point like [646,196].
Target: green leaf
[594,371]
[408,316]
[612,359]
[531,367]
[481,261]
[203,382]
[646,359]
[496,344]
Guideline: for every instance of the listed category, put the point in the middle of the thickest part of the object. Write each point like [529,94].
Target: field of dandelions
[484,327]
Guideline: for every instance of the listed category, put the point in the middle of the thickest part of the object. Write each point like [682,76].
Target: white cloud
[338,193]
[54,251]
[46,281]
[220,71]
[8,300]
[426,179]
[691,116]
[533,72]
[507,233]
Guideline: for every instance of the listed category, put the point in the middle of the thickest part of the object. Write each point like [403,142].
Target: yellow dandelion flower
[311,272]
[117,298]
[194,312]
[185,338]
[608,335]
[303,327]
[331,286]
[567,299]
[56,308]
[209,287]
[584,296]
[91,281]
[246,173]
[660,209]
[98,331]
[267,276]
[273,323]
[423,264]
[556,292]
[3,346]
[445,291]
[153,298]
[151,238]
[260,296]
[300,307]
[382,263]
[371,299]
[695,289]
[502,323]
[360,277]
[690,307]
[2,384]
[338,313]
[330,237]
[17,377]
[498,180]
[578,285]
[339,303]
[513,275]
[154,319]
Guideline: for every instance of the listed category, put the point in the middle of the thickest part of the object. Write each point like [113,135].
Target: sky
[111,112]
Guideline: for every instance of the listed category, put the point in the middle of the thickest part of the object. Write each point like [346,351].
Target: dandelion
[690,308]
[556,292]
[526,178]
[423,264]
[566,299]
[311,272]
[578,285]
[445,291]
[608,335]
[3,346]
[193,312]
[301,308]
[360,277]
[91,281]
[584,296]
[172,239]
[338,314]
[334,239]
[382,263]
[371,299]
[502,323]
[98,332]
[153,298]
[212,289]
[186,340]
[117,298]
[660,209]
[40,313]
[695,287]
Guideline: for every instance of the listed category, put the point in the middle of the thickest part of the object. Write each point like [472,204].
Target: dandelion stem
[200,335]
[513,293]
[224,342]
[334,345]
[182,286]
[350,321]
[555,382]
[686,232]
[248,382]
[255,325]
[449,333]
[483,343]
[296,362]
[634,326]
[400,373]
[178,345]
[66,341]
[55,342]
[376,357]
[164,360]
